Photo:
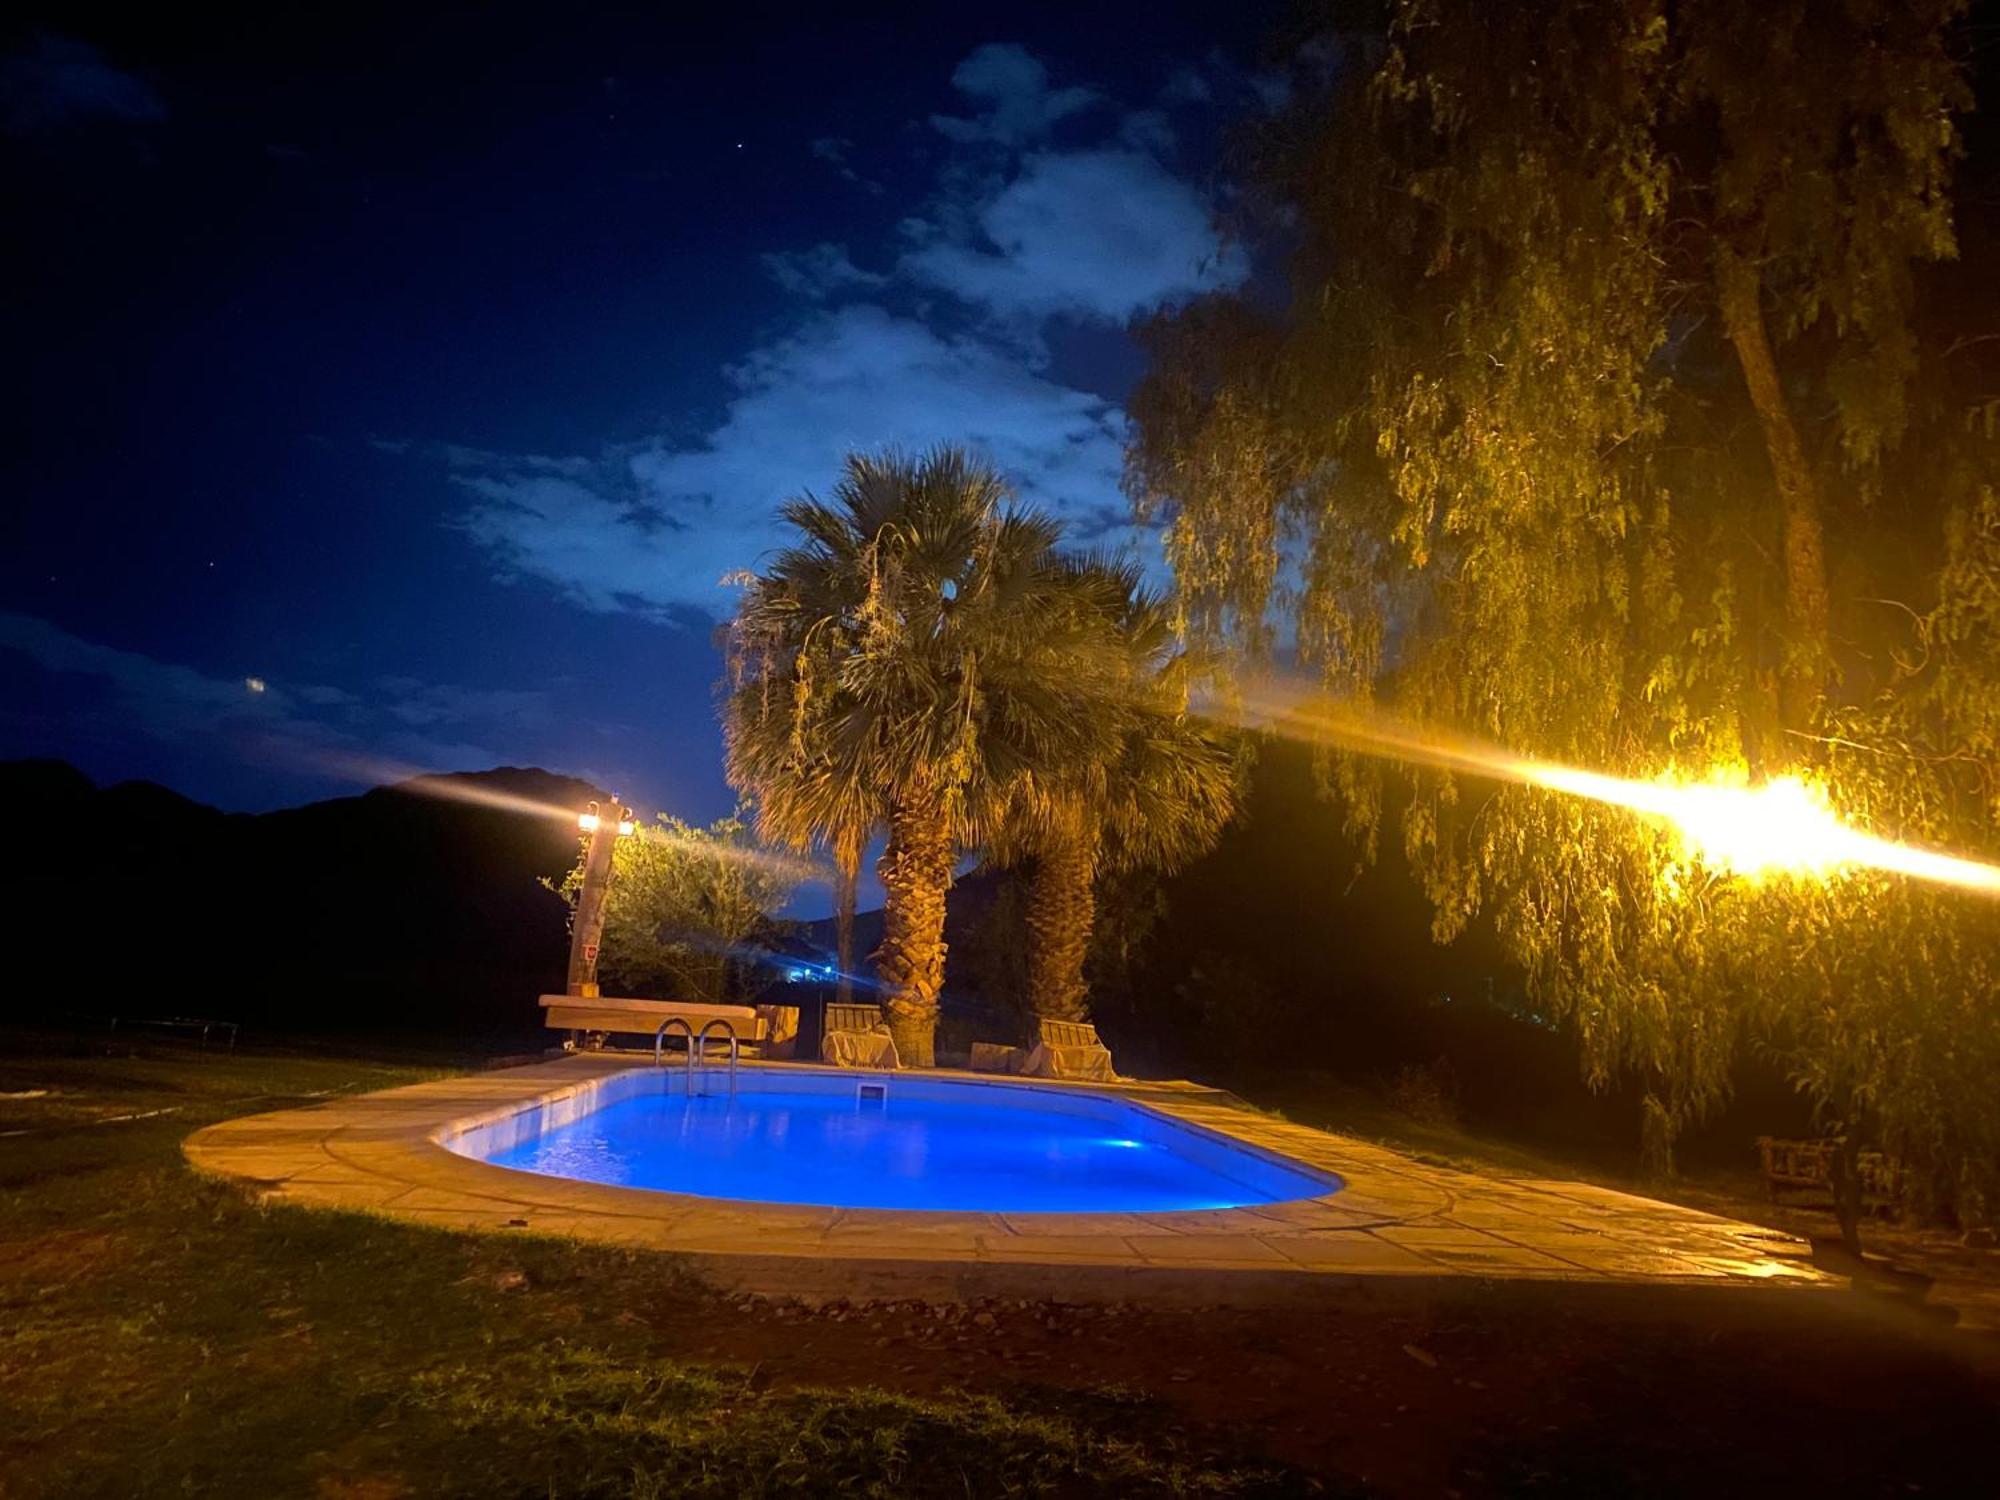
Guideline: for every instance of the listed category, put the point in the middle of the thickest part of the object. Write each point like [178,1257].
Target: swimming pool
[852,1140]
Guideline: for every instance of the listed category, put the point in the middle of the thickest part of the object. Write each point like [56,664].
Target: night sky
[397,386]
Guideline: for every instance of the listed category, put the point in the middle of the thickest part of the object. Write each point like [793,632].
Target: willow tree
[919,647]
[1483,462]
[1811,148]
[1157,794]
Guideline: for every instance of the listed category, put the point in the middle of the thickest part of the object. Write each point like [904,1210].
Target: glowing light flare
[587,822]
[1781,826]
[416,781]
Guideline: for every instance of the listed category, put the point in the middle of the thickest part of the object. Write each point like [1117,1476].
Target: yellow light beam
[1779,826]
[1784,825]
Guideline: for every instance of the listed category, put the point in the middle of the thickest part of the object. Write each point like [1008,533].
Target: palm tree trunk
[1062,909]
[1739,290]
[847,877]
[916,874]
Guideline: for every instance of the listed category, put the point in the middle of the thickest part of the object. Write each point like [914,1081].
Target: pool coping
[1395,1216]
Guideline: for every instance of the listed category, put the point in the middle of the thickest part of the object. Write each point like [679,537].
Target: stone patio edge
[1394,1218]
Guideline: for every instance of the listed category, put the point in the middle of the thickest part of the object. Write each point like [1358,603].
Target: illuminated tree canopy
[688,910]
[1615,391]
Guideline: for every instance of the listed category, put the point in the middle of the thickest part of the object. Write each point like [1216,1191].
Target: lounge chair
[781,1030]
[855,1036]
[995,1057]
[1068,1049]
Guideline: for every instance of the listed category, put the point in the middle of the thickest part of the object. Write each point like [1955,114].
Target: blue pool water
[927,1146]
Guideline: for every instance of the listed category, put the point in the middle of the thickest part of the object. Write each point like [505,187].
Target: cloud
[838,152]
[1013,101]
[258,718]
[1187,86]
[659,525]
[59,81]
[411,700]
[953,343]
[1148,130]
[1098,234]
[818,272]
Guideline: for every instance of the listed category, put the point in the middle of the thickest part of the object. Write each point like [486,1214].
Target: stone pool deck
[1395,1218]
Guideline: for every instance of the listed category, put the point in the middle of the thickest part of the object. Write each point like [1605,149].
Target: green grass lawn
[161,1334]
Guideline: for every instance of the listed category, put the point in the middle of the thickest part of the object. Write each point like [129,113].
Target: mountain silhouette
[416,907]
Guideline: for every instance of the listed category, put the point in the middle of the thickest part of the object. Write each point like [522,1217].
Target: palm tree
[1159,796]
[920,649]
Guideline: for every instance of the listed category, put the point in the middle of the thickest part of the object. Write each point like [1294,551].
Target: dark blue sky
[431,366]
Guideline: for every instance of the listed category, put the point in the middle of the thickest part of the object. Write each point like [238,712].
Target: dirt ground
[1486,1389]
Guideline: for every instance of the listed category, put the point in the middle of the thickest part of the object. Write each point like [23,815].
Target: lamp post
[587,928]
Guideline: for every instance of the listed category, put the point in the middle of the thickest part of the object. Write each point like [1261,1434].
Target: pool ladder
[697,1047]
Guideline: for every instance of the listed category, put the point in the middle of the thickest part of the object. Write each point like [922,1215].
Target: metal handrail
[697,1046]
[700,1044]
[660,1038]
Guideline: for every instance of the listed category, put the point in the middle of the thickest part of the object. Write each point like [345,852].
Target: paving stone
[1394,1216]
[1498,1259]
[1209,1248]
[1318,1213]
[1423,1236]
[1347,1250]
[1083,1248]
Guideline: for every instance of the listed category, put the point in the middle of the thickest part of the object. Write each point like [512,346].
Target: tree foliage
[688,911]
[1602,375]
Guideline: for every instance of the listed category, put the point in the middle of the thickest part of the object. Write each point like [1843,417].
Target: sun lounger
[855,1036]
[995,1057]
[1068,1049]
[781,1030]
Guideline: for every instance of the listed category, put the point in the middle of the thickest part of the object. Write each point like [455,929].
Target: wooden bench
[586,1016]
[1808,1166]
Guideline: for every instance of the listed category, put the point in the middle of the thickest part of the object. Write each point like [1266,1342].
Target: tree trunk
[1739,293]
[1657,1132]
[847,877]
[1062,909]
[916,874]
[1846,1188]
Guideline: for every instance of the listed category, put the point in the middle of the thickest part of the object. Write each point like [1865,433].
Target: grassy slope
[159,1334]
